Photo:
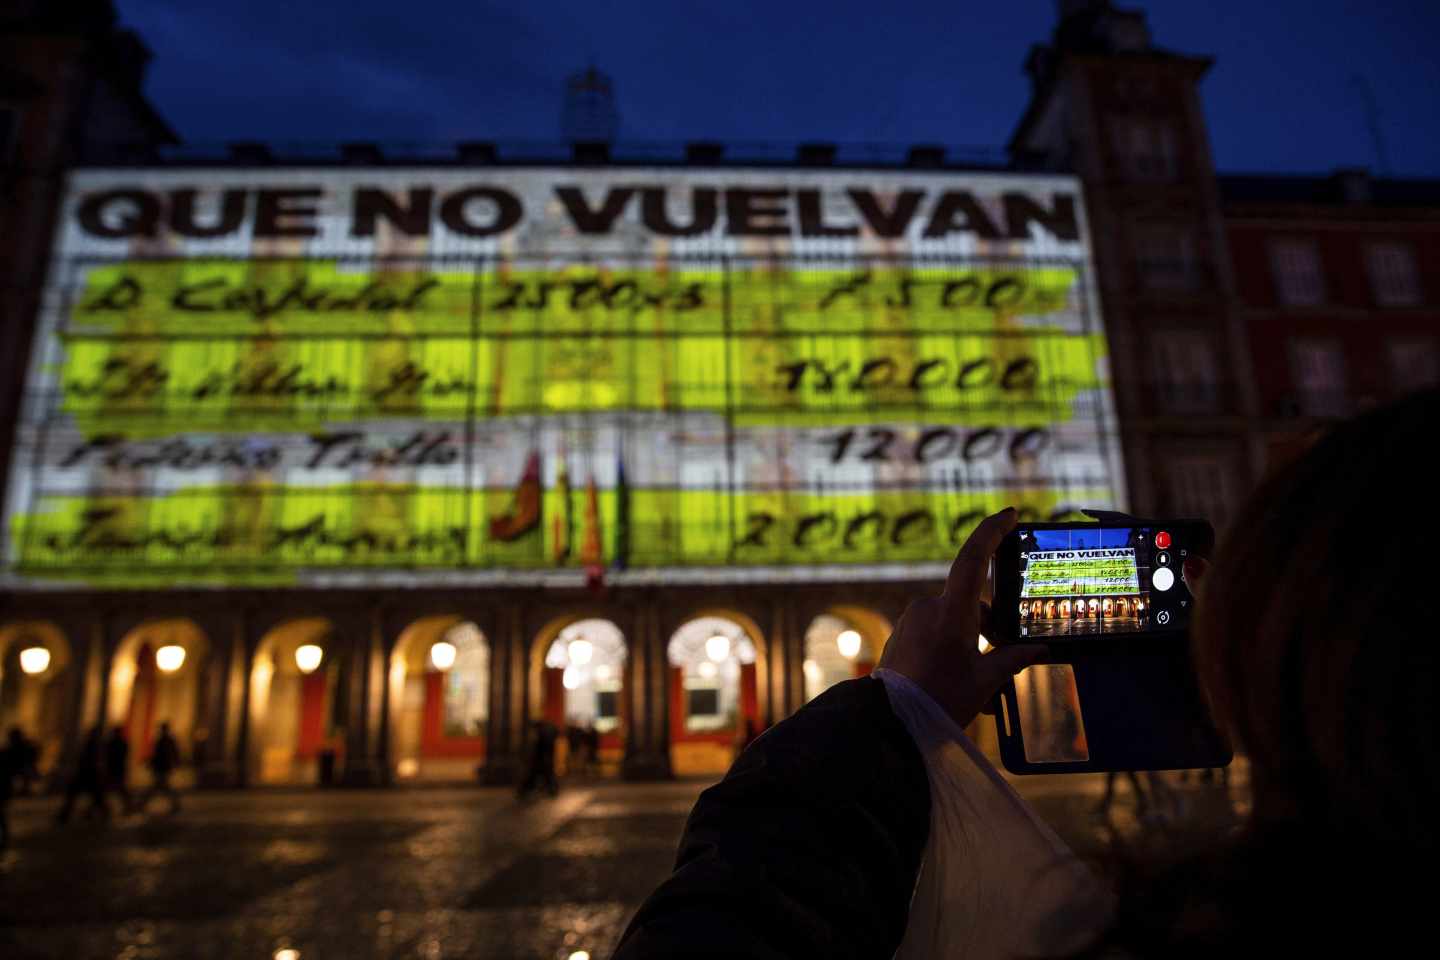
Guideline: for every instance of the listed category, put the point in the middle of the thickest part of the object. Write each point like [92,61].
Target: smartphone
[1084,582]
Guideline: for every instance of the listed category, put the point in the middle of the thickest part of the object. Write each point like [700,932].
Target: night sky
[1281,96]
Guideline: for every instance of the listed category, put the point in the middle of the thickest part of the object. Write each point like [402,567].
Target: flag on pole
[622,514]
[592,547]
[524,513]
[563,526]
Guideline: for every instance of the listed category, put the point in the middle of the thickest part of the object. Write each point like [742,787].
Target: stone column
[225,689]
[85,689]
[647,740]
[509,693]
[364,678]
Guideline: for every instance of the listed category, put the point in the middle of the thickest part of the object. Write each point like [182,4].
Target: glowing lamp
[34,660]
[581,652]
[985,645]
[308,657]
[849,643]
[580,955]
[717,648]
[604,672]
[170,658]
[571,678]
[442,655]
[707,669]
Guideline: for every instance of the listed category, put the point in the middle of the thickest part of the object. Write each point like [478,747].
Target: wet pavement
[422,873]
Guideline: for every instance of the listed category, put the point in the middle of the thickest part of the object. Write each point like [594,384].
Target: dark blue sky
[1280,97]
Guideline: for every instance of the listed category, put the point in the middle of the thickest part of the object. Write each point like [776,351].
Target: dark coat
[809,847]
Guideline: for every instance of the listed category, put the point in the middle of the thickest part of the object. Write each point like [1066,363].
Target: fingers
[972,563]
[1010,659]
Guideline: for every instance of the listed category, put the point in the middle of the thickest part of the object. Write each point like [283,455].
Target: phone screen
[1086,580]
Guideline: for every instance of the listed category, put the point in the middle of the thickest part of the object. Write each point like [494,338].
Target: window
[1200,487]
[702,702]
[1393,278]
[1166,257]
[1414,364]
[1184,371]
[1298,280]
[1146,149]
[607,709]
[1317,368]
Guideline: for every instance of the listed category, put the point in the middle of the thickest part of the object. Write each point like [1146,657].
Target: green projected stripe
[258,534]
[286,345]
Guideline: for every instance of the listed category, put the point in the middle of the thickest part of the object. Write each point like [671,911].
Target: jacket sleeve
[809,847]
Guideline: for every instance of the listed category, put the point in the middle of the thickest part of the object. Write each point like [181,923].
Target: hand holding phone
[936,641]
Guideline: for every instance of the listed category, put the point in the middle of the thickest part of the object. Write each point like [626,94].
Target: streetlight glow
[170,657]
[34,660]
[308,657]
[849,643]
[581,651]
[717,648]
[442,655]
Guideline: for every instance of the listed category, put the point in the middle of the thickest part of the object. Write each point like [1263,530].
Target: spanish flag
[592,547]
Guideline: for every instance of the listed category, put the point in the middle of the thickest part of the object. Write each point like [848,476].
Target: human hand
[936,642]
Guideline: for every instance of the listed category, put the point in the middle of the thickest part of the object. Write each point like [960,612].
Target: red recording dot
[1162,540]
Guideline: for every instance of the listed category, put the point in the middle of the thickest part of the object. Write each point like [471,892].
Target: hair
[1312,641]
[1311,633]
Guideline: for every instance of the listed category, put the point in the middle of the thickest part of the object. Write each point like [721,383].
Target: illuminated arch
[825,663]
[590,692]
[714,693]
[36,703]
[438,717]
[144,692]
[292,713]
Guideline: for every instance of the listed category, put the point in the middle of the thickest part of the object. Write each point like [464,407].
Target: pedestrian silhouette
[542,760]
[575,748]
[117,768]
[164,758]
[592,750]
[11,757]
[87,778]
[26,761]
[1141,801]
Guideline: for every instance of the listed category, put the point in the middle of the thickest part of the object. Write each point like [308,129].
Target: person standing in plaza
[11,756]
[542,760]
[117,768]
[163,760]
[25,761]
[87,778]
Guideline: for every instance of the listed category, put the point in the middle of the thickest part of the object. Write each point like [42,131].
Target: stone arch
[425,743]
[825,664]
[144,693]
[705,743]
[295,716]
[36,703]
[552,699]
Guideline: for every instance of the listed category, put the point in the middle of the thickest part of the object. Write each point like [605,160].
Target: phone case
[1141,707]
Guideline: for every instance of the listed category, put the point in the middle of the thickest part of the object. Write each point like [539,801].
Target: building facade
[1335,277]
[387,679]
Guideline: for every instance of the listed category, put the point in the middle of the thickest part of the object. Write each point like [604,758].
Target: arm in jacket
[809,847]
